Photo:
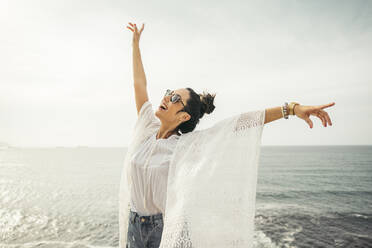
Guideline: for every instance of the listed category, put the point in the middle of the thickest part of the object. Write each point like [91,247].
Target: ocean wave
[294,194]
[361,216]
[260,240]
[353,215]
[277,208]
[15,223]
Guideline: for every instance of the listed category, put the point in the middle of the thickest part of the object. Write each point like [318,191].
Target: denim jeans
[144,231]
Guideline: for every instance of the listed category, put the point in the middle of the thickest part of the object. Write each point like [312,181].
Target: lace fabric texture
[212,181]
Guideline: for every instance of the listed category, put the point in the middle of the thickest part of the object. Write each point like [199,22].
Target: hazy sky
[66,66]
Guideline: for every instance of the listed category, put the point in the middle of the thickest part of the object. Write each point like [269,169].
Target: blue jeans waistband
[145,218]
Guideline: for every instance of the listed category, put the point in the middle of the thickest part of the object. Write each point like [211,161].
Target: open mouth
[162,108]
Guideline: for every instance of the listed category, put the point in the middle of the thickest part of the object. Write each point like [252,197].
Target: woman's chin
[158,113]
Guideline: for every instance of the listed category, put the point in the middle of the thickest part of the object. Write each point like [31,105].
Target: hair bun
[207,102]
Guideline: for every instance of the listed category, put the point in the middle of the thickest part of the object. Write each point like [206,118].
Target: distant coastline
[5,146]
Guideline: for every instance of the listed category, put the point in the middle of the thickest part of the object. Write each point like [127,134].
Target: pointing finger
[327,105]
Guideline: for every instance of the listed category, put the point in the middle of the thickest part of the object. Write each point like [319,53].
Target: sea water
[307,196]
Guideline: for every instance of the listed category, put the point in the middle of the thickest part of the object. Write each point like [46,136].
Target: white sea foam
[260,240]
[10,219]
[289,236]
[360,216]
[15,222]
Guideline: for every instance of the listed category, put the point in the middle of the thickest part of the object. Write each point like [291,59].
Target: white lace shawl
[212,180]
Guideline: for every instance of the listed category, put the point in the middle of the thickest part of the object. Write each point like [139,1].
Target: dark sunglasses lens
[175,98]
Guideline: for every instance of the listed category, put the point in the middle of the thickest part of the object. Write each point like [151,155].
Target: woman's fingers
[133,26]
[324,119]
[317,111]
[135,29]
[327,117]
[319,115]
[327,105]
[309,122]
[143,25]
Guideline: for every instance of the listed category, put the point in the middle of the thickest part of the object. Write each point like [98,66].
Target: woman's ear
[185,117]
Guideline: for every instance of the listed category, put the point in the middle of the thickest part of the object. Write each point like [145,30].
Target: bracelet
[291,107]
[285,111]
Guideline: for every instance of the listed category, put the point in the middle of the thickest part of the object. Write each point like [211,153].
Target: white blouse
[149,168]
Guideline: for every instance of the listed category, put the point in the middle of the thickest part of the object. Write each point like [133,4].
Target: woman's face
[169,115]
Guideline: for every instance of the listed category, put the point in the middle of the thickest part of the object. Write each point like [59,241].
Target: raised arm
[140,84]
[302,112]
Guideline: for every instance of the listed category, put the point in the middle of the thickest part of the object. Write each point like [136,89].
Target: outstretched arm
[140,84]
[272,114]
[302,112]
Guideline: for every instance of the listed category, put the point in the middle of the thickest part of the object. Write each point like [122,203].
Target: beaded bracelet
[285,110]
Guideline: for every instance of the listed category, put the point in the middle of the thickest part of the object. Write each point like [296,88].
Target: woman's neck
[164,133]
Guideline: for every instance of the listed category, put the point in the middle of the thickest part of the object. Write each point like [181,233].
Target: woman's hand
[136,33]
[304,113]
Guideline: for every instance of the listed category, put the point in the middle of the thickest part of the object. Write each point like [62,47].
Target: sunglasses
[175,97]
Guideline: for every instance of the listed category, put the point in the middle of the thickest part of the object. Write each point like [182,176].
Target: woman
[178,113]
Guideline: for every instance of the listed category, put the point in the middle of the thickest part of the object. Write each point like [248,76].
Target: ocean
[307,196]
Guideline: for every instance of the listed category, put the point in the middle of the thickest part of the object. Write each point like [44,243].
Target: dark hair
[197,105]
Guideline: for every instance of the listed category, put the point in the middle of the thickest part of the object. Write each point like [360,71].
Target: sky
[66,75]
